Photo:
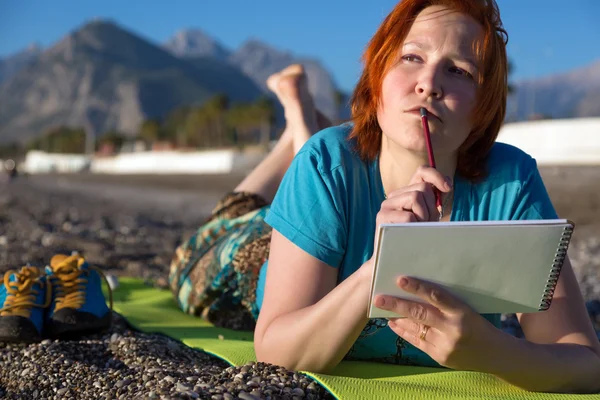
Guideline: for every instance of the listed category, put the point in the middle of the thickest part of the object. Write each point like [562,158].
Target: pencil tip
[423,112]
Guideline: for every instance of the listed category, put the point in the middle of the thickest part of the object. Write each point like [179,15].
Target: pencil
[438,195]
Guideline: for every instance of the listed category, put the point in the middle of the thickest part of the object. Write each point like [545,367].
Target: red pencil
[438,195]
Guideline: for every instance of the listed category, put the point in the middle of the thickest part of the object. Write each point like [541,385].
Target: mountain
[12,64]
[103,77]
[573,94]
[258,61]
[196,43]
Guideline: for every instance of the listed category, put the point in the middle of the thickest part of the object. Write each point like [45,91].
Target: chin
[410,139]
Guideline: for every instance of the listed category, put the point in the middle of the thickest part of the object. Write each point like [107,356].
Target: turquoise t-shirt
[329,198]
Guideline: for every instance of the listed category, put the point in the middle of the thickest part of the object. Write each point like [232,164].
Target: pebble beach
[130,226]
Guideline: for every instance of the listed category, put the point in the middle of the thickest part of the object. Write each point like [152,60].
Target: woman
[447,56]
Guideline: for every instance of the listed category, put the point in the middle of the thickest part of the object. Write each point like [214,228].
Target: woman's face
[436,68]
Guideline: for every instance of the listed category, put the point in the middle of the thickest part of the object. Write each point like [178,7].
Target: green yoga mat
[154,310]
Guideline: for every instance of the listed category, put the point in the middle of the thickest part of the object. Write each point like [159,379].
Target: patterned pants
[215,272]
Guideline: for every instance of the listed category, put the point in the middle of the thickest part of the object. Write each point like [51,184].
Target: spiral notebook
[494,266]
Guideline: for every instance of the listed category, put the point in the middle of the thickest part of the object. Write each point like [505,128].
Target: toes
[294,69]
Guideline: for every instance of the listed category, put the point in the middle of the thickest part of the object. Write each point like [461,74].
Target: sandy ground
[575,192]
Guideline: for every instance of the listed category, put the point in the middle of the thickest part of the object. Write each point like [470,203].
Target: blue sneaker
[23,298]
[78,305]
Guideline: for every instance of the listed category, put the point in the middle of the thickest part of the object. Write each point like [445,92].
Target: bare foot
[273,80]
[291,87]
[286,93]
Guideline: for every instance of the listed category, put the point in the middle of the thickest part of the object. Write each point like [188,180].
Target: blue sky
[545,36]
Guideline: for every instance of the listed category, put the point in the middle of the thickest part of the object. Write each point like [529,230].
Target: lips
[417,110]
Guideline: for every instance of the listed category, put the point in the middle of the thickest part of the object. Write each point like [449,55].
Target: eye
[461,72]
[411,58]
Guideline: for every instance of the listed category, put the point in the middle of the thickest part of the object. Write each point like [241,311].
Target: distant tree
[206,125]
[252,122]
[195,128]
[265,115]
[215,112]
[60,140]
[237,121]
[11,150]
[151,131]
[174,126]
[215,123]
[113,138]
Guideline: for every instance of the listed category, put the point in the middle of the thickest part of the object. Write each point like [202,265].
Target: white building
[556,142]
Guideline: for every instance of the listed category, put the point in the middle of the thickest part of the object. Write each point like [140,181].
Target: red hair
[489,113]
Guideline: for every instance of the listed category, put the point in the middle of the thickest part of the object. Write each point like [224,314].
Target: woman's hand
[444,327]
[412,203]
[415,202]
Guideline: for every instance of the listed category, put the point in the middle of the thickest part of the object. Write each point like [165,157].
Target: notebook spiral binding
[559,259]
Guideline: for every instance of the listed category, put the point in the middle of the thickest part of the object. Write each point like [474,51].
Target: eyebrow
[455,56]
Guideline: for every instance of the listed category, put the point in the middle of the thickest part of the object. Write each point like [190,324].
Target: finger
[433,294]
[432,176]
[430,202]
[395,217]
[413,201]
[419,207]
[408,328]
[397,197]
[416,311]
[409,335]
[415,187]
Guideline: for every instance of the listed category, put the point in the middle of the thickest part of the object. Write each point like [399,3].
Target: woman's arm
[307,322]
[561,353]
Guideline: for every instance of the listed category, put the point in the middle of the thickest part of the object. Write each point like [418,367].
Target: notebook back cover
[501,268]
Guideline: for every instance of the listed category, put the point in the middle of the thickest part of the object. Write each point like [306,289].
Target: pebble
[246,396]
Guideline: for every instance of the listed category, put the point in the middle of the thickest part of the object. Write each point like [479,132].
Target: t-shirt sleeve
[304,209]
[533,201]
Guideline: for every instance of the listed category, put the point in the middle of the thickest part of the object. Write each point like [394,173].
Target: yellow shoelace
[21,294]
[70,291]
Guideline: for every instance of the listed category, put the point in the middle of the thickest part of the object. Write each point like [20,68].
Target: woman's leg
[302,121]
[207,266]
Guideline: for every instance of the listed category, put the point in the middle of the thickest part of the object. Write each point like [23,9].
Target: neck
[398,165]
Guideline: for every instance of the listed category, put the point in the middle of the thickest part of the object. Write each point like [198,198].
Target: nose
[429,84]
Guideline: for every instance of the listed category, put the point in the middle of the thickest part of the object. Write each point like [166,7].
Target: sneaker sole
[73,324]
[17,329]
